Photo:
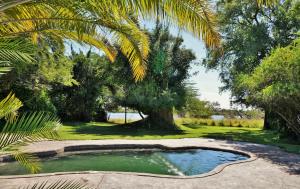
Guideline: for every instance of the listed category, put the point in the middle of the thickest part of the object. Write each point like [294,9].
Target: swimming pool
[166,162]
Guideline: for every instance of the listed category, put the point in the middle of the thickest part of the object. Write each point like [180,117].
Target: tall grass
[195,122]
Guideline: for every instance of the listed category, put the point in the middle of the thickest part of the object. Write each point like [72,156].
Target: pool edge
[73,148]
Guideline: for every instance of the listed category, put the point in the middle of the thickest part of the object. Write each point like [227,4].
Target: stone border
[76,148]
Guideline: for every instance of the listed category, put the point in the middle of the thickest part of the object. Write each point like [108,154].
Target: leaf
[29,161]
[9,106]
[267,2]
[14,50]
[30,127]
[118,18]
[60,184]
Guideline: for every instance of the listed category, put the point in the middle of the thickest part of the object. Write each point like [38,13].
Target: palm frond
[65,184]
[195,16]
[9,106]
[97,41]
[117,17]
[15,50]
[69,24]
[29,161]
[30,127]
[4,67]
[6,4]
[267,2]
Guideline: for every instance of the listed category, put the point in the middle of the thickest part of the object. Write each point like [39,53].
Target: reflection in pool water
[183,162]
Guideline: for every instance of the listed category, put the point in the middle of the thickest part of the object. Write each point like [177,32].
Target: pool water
[183,162]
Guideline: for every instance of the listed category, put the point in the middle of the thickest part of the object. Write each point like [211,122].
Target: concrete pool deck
[268,167]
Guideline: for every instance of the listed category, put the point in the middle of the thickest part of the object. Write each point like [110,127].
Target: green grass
[93,131]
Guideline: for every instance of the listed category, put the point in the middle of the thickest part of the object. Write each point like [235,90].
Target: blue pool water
[179,162]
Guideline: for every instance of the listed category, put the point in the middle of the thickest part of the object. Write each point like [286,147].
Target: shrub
[254,123]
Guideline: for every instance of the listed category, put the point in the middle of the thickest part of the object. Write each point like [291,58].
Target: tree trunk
[140,113]
[125,114]
[267,125]
[162,118]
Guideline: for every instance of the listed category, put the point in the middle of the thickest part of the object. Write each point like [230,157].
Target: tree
[89,22]
[275,84]
[83,101]
[31,80]
[194,107]
[163,87]
[250,32]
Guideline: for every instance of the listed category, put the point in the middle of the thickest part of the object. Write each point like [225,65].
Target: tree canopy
[275,84]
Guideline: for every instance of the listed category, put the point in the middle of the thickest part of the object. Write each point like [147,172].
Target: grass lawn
[93,131]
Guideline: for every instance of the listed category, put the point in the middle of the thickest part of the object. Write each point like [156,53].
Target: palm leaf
[67,23]
[30,127]
[9,106]
[116,17]
[14,50]
[195,16]
[60,184]
[267,2]
[29,161]
[4,67]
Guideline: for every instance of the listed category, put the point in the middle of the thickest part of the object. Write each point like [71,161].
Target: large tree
[275,84]
[249,33]
[163,88]
[87,100]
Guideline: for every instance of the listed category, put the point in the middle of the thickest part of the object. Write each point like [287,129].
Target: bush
[254,123]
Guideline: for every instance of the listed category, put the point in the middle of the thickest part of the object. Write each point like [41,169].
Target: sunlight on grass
[93,131]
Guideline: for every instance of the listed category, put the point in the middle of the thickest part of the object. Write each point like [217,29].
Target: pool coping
[86,147]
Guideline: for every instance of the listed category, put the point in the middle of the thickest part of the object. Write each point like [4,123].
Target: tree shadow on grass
[119,129]
[290,162]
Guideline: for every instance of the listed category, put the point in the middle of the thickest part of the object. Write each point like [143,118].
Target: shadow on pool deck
[289,161]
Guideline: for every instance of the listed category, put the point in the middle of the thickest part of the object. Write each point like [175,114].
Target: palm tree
[29,127]
[96,22]
[19,130]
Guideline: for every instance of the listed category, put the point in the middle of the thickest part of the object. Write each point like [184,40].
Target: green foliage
[33,81]
[16,50]
[88,22]
[41,101]
[19,130]
[56,68]
[9,107]
[13,51]
[250,32]
[85,101]
[163,86]
[196,122]
[276,84]
[194,107]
